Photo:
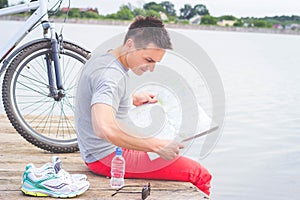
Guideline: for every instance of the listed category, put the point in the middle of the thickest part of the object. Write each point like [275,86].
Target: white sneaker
[47,182]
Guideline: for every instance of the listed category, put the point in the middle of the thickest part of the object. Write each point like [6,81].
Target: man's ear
[129,44]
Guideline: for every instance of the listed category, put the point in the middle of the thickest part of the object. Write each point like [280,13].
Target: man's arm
[106,127]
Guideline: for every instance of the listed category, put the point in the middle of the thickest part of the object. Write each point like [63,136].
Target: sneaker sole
[44,194]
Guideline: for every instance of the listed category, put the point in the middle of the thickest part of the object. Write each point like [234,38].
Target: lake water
[258,154]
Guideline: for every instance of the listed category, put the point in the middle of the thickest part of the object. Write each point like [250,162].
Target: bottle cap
[118,151]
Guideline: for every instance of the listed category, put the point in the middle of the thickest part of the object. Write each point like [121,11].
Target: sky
[237,8]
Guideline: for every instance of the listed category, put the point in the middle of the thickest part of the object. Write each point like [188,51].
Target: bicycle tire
[25,93]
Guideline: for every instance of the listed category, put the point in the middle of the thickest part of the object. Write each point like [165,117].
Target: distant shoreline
[168,25]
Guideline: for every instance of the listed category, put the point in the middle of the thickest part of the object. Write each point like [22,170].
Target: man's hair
[146,30]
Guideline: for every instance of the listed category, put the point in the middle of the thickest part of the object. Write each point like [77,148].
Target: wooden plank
[16,153]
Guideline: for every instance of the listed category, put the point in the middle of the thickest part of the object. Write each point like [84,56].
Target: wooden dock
[16,153]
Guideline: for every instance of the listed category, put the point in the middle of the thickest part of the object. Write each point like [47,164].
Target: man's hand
[170,151]
[142,98]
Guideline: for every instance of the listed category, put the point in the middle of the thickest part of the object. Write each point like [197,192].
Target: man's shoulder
[100,61]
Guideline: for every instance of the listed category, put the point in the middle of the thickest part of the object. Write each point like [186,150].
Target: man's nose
[151,67]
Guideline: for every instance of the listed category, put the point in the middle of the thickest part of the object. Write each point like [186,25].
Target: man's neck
[120,55]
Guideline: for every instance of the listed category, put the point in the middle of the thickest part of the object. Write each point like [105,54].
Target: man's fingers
[152,100]
[181,146]
[151,95]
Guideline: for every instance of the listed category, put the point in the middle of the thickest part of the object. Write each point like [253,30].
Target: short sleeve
[108,88]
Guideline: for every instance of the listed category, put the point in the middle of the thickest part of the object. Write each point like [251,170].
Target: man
[102,98]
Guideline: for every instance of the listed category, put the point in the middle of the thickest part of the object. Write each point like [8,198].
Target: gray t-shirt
[103,80]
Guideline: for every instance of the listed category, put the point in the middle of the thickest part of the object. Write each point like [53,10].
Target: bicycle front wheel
[42,120]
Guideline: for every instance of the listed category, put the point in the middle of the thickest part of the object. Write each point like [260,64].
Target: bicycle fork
[52,58]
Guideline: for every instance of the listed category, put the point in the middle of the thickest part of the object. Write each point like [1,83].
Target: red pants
[138,165]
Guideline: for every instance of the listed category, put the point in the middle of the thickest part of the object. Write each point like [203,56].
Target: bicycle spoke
[31,81]
[42,66]
[60,116]
[67,121]
[34,82]
[34,103]
[70,96]
[51,120]
[42,112]
[68,103]
[33,76]
[32,89]
[42,87]
[47,118]
[72,68]
[73,82]
[29,89]
[72,87]
[64,69]
[72,108]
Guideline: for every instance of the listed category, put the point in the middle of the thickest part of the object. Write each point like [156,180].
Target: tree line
[187,12]
[128,12]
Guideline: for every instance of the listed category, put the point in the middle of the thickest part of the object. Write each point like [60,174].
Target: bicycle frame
[40,14]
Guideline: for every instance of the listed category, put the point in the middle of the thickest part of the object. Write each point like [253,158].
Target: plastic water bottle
[117,169]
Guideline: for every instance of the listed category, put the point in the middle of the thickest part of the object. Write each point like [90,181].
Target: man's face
[143,60]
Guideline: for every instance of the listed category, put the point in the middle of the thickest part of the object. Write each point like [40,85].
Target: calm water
[258,154]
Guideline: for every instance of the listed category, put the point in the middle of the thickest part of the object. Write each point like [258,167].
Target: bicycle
[40,80]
